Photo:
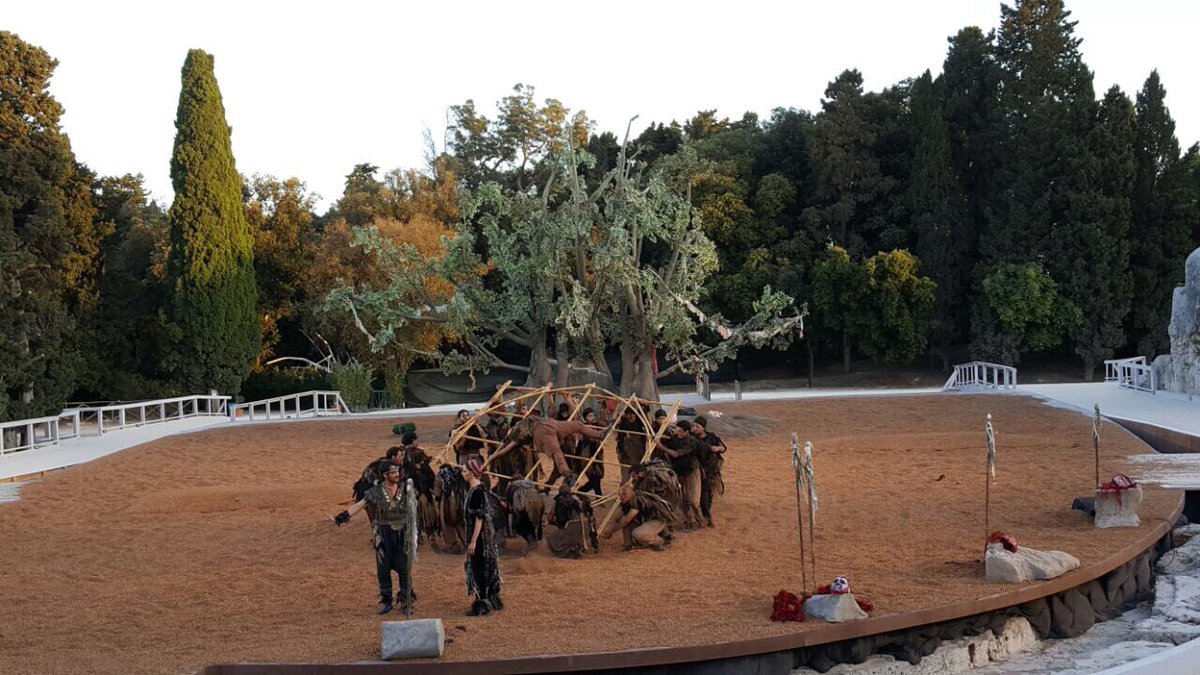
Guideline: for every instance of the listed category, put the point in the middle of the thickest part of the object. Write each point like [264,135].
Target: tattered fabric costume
[483,567]
[389,517]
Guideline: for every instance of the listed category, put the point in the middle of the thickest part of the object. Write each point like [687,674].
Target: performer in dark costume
[712,458]
[416,464]
[483,555]
[470,447]
[631,441]
[390,509]
[450,493]
[586,447]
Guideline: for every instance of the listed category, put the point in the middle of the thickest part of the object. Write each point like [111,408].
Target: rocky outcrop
[1180,370]
[1118,508]
[1026,564]
[834,607]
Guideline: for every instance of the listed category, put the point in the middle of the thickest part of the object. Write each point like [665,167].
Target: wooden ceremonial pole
[810,474]
[987,479]
[796,465]
[1096,441]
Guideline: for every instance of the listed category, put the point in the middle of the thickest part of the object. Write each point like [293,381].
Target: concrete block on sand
[1118,508]
[415,639]
[834,608]
[1026,564]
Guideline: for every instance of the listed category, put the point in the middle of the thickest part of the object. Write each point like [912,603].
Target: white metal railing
[1112,366]
[1139,376]
[35,433]
[71,423]
[982,374]
[141,413]
[292,406]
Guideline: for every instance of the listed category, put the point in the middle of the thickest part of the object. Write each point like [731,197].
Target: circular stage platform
[210,548]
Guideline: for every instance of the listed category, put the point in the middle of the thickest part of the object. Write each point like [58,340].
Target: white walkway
[1163,409]
[87,448]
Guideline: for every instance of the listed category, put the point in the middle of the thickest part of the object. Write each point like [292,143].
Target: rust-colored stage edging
[665,656]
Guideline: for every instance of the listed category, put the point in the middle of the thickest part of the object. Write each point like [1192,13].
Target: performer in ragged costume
[391,514]
[482,566]
[712,457]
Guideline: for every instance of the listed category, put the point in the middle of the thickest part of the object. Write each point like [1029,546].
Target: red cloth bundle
[787,607]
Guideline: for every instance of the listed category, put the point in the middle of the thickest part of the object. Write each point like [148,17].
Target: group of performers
[495,490]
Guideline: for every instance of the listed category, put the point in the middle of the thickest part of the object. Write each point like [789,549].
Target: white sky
[313,88]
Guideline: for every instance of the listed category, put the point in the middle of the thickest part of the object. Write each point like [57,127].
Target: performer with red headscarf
[483,555]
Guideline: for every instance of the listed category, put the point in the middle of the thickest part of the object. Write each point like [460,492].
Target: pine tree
[1091,244]
[1160,236]
[212,293]
[38,209]
[939,216]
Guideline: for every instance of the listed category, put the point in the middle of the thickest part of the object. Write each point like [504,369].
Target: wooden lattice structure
[508,399]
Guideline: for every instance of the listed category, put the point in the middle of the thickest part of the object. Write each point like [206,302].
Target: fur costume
[527,508]
[658,478]
[482,569]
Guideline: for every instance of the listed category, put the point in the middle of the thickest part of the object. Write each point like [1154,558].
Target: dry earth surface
[214,547]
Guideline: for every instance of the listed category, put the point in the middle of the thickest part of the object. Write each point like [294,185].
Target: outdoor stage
[212,547]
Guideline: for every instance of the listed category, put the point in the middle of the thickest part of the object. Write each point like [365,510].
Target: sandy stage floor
[213,547]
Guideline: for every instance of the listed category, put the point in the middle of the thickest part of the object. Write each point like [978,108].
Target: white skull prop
[840,585]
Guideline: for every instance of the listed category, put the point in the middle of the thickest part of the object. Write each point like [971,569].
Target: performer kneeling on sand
[546,436]
[391,515]
[645,517]
[483,554]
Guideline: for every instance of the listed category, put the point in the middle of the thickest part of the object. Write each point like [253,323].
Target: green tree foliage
[509,149]
[896,308]
[1046,109]
[1027,312]
[280,216]
[1092,244]
[212,297]
[128,328]
[1160,233]
[940,217]
[44,274]
[839,290]
[848,180]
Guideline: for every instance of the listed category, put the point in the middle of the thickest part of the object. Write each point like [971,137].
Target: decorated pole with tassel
[798,466]
[811,479]
[988,476]
[410,543]
[1096,441]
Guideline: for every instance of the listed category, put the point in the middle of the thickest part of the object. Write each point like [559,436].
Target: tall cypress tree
[212,292]
[1045,114]
[38,200]
[939,216]
[1091,244]
[1160,236]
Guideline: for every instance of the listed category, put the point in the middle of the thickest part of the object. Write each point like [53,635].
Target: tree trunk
[808,343]
[944,352]
[563,356]
[845,353]
[637,352]
[539,361]
[1089,368]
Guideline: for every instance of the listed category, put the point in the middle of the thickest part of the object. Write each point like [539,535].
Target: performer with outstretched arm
[389,507]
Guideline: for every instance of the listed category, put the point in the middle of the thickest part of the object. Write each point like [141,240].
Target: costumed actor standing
[392,508]
[483,555]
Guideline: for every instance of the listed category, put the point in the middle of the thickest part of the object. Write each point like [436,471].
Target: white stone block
[834,608]
[1118,508]
[415,639]
[1026,564]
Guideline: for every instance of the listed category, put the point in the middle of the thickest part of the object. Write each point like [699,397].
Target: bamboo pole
[990,437]
[1096,442]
